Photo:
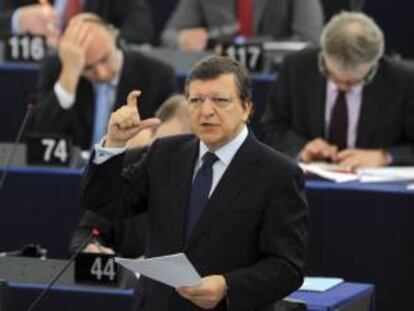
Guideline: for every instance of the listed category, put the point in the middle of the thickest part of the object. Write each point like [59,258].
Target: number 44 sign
[96,268]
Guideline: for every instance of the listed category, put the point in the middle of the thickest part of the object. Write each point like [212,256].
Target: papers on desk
[328,171]
[391,173]
[174,270]
[381,174]
[318,284]
[410,186]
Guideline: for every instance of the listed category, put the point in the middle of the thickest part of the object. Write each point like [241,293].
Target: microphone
[29,110]
[28,250]
[94,234]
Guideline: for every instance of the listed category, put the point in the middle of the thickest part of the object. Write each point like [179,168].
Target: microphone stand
[14,147]
[94,233]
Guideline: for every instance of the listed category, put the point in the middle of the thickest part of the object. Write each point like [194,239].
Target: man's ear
[248,107]
[114,32]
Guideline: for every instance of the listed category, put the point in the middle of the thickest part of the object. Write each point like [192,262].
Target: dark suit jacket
[277,19]
[295,111]
[253,230]
[155,79]
[126,236]
[132,17]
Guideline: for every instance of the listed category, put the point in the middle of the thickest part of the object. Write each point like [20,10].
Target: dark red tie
[73,7]
[338,127]
[245,17]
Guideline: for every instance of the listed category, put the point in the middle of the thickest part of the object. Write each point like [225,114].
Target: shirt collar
[115,80]
[357,88]
[226,152]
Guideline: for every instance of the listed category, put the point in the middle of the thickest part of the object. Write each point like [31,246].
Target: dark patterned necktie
[199,191]
[338,127]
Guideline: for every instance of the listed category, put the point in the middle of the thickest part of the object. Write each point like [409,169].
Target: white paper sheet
[328,171]
[379,174]
[174,270]
[319,284]
[392,173]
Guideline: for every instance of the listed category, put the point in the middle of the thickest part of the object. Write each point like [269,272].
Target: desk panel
[69,298]
[17,86]
[364,233]
[345,296]
[361,232]
[107,299]
[39,206]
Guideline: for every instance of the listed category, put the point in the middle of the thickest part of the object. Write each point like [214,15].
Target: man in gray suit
[194,21]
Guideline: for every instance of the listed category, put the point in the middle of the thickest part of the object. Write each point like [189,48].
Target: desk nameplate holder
[96,268]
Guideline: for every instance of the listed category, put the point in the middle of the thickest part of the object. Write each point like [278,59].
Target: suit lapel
[317,106]
[234,180]
[372,98]
[124,84]
[181,180]
[86,97]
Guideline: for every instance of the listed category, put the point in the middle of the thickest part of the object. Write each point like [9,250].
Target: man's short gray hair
[352,39]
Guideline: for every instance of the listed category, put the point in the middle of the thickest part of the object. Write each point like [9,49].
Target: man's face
[101,60]
[345,79]
[216,111]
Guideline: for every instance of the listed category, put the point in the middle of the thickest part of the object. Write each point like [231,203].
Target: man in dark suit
[90,77]
[131,17]
[347,103]
[234,206]
[125,236]
[194,20]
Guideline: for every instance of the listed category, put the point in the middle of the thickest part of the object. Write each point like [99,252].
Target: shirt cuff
[390,158]
[103,154]
[65,99]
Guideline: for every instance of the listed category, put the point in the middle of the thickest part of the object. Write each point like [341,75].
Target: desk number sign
[249,55]
[48,150]
[96,268]
[25,48]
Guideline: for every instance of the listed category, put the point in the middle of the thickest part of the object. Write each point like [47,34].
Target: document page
[392,173]
[174,270]
[328,171]
[319,284]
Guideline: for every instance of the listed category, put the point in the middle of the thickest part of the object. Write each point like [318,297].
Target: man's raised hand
[126,123]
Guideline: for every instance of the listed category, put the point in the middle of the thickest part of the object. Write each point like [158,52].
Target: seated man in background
[80,87]
[193,21]
[126,236]
[347,103]
[131,17]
